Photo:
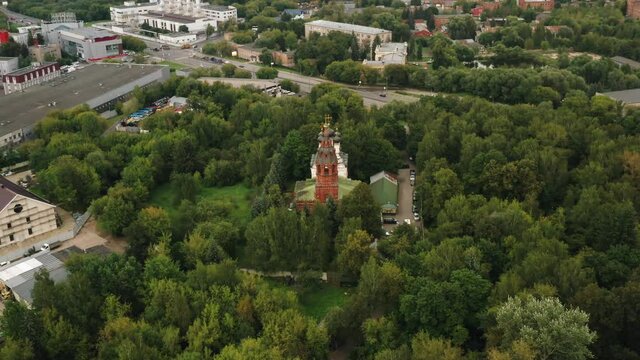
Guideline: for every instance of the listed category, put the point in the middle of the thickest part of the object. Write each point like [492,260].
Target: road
[192,58]
[21,20]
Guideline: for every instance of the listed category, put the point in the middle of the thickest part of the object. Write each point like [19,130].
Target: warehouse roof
[20,276]
[28,69]
[332,25]
[620,60]
[628,97]
[72,89]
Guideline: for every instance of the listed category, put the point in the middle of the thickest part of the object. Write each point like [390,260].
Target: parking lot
[405,199]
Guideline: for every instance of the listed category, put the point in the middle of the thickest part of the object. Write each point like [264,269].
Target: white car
[416,216]
[44,247]
[407,221]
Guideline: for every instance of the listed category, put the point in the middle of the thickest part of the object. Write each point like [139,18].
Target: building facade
[29,76]
[633,9]
[219,13]
[23,215]
[91,44]
[364,34]
[546,5]
[178,38]
[7,65]
[173,22]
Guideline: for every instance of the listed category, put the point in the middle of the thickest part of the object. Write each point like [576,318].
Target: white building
[132,13]
[178,38]
[51,30]
[219,13]
[91,44]
[129,11]
[173,23]
[388,53]
[20,38]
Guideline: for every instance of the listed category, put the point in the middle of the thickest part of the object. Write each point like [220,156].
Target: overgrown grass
[173,66]
[239,195]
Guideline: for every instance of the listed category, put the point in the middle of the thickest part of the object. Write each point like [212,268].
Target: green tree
[183,29]
[549,328]
[355,253]
[267,73]
[132,43]
[295,335]
[71,183]
[359,203]
[151,224]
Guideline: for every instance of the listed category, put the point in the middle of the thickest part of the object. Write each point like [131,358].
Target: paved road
[21,20]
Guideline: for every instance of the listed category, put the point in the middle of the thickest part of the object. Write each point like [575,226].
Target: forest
[529,248]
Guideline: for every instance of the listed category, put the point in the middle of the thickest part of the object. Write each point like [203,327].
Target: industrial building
[99,86]
[21,79]
[178,38]
[364,34]
[90,44]
[19,276]
[546,5]
[23,214]
[51,29]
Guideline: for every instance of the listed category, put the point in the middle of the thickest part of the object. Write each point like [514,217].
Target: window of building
[30,231]
[8,225]
[11,237]
[28,219]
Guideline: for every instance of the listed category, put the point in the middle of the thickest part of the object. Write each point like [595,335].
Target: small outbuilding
[384,187]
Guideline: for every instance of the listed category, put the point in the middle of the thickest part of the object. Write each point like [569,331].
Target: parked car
[44,247]
[416,216]
[407,221]
[389,220]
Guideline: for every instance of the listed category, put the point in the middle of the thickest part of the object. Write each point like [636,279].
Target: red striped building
[33,75]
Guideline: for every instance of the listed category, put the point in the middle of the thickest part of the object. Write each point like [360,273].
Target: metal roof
[620,60]
[631,96]
[20,276]
[332,25]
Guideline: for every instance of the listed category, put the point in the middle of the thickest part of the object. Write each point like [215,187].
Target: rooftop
[216,7]
[134,6]
[20,276]
[67,91]
[9,190]
[89,32]
[348,27]
[182,19]
[28,69]
[631,96]
[5,58]
[620,60]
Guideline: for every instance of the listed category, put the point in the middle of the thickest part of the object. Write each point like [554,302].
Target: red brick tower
[326,166]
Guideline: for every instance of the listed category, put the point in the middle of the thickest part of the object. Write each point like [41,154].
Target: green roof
[384,190]
[306,190]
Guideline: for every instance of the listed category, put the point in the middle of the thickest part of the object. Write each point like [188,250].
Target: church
[329,175]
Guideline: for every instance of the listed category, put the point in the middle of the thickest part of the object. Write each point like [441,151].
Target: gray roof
[6,58]
[134,6]
[620,60]
[73,89]
[383,175]
[17,189]
[332,25]
[20,276]
[631,96]
[90,32]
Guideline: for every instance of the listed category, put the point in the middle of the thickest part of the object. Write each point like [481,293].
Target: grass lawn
[318,301]
[238,195]
[173,66]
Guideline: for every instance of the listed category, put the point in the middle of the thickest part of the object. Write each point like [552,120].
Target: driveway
[405,197]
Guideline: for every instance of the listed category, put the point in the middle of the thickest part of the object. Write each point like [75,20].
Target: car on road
[416,216]
[165,47]
[412,172]
[44,247]
[242,66]
[383,94]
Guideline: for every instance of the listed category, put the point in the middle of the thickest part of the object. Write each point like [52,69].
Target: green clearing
[173,66]
[317,301]
[238,195]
